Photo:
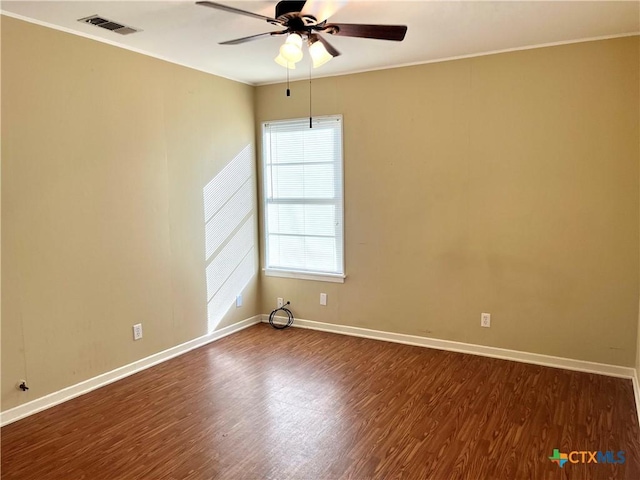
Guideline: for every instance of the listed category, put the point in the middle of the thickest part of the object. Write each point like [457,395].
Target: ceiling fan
[306,20]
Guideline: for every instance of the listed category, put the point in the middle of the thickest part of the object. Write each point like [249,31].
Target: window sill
[318,277]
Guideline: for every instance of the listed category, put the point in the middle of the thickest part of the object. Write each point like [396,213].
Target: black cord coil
[289,315]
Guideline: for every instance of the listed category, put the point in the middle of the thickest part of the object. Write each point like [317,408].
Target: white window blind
[303,195]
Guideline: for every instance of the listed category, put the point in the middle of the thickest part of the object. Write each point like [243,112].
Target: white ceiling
[188,34]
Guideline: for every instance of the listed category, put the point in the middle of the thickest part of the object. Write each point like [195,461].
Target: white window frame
[293,273]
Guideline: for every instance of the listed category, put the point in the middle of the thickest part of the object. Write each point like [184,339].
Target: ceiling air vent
[101,22]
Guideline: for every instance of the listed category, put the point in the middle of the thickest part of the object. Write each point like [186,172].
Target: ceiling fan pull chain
[310,117]
[288,89]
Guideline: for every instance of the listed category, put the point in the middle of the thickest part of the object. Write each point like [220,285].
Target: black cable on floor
[289,315]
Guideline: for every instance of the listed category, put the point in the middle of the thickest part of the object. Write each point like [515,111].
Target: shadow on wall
[229,235]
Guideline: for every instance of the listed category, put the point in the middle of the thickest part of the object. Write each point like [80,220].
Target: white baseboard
[493,352]
[472,349]
[87,386]
[636,391]
[81,388]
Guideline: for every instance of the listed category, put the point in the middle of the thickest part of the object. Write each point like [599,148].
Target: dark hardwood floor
[299,404]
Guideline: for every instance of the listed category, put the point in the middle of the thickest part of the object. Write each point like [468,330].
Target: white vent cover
[102,22]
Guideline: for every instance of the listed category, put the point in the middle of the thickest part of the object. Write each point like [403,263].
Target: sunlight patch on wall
[227,182]
[224,222]
[226,296]
[230,235]
[224,263]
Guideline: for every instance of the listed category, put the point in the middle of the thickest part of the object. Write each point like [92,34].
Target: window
[303,203]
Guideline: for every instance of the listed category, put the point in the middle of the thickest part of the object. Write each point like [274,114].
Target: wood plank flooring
[298,404]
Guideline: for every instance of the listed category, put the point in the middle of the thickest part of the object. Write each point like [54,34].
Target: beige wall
[105,155]
[638,350]
[505,184]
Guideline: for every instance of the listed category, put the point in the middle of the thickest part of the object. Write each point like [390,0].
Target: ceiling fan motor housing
[286,7]
[288,13]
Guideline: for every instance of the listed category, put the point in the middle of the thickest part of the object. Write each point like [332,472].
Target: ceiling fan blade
[381,32]
[250,38]
[219,6]
[322,9]
[330,48]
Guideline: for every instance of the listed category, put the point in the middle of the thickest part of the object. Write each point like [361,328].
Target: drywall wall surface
[505,184]
[638,328]
[638,350]
[118,173]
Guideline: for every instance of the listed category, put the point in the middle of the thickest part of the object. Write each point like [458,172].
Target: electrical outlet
[238,300]
[323,299]
[280,302]
[485,320]
[137,331]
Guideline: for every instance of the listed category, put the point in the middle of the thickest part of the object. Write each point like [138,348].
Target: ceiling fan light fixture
[280,60]
[294,39]
[291,51]
[319,54]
